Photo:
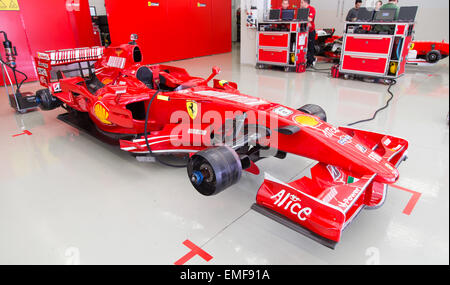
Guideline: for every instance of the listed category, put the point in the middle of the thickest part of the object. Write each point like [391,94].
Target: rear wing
[68,61]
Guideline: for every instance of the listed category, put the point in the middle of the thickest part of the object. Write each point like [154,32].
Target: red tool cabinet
[375,49]
[282,44]
[172,29]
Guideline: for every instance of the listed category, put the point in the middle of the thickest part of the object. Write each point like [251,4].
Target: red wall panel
[172,29]
[46,25]
[11,22]
[200,27]
[178,38]
[221,17]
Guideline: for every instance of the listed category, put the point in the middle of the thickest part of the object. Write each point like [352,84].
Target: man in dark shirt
[353,13]
[392,4]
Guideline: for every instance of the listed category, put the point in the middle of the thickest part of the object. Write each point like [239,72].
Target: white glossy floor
[66,198]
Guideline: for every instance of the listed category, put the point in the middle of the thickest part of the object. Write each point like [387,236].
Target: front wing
[322,206]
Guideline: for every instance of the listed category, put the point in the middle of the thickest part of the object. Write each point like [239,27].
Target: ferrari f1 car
[159,110]
[427,52]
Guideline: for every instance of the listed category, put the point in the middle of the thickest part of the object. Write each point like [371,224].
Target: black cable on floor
[393,82]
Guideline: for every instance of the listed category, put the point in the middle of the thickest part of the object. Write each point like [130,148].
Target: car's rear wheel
[46,100]
[433,56]
[213,170]
[314,110]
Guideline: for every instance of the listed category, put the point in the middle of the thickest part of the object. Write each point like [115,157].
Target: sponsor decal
[162,97]
[192,109]
[334,172]
[42,55]
[201,5]
[330,132]
[223,82]
[396,148]
[56,87]
[306,120]
[43,80]
[197,132]
[347,201]
[345,139]
[44,65]
[153,4]
[387,142]
[42,71]
[121,91]
[292,204]
[282,111]
[362,148]
[388,165]
[106,81]
[118,51]
[375,157]
[115,61]
[351,180]
[330,196]
[250,101]
[102,113]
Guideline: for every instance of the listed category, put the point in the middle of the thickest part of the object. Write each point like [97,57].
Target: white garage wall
[99,6]
[248,36]
[432,20]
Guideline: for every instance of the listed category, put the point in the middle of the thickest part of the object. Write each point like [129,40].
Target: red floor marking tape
[195,250]
[24,133]
[412,202]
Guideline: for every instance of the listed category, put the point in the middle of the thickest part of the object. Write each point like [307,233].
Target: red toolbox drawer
[364,64]
[274,40]
[367,44]
[270,55]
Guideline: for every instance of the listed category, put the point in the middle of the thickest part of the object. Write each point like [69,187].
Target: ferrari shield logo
[192,109]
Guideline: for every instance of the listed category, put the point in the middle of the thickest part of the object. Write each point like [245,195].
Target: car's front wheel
[314,110]
[214,169]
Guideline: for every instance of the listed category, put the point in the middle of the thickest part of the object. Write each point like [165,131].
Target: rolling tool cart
[282,44]
[374,50]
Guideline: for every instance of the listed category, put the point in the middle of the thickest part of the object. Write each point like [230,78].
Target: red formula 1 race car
[422,52]
[154,111]
[324,45]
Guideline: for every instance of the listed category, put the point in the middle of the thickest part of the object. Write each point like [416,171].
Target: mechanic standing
[353,13]
[311,60]
[392,4]
[284,6]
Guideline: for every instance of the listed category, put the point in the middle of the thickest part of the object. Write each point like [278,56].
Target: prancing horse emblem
[192,109]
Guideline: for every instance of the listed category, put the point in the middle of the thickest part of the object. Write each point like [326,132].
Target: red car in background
[429,52]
